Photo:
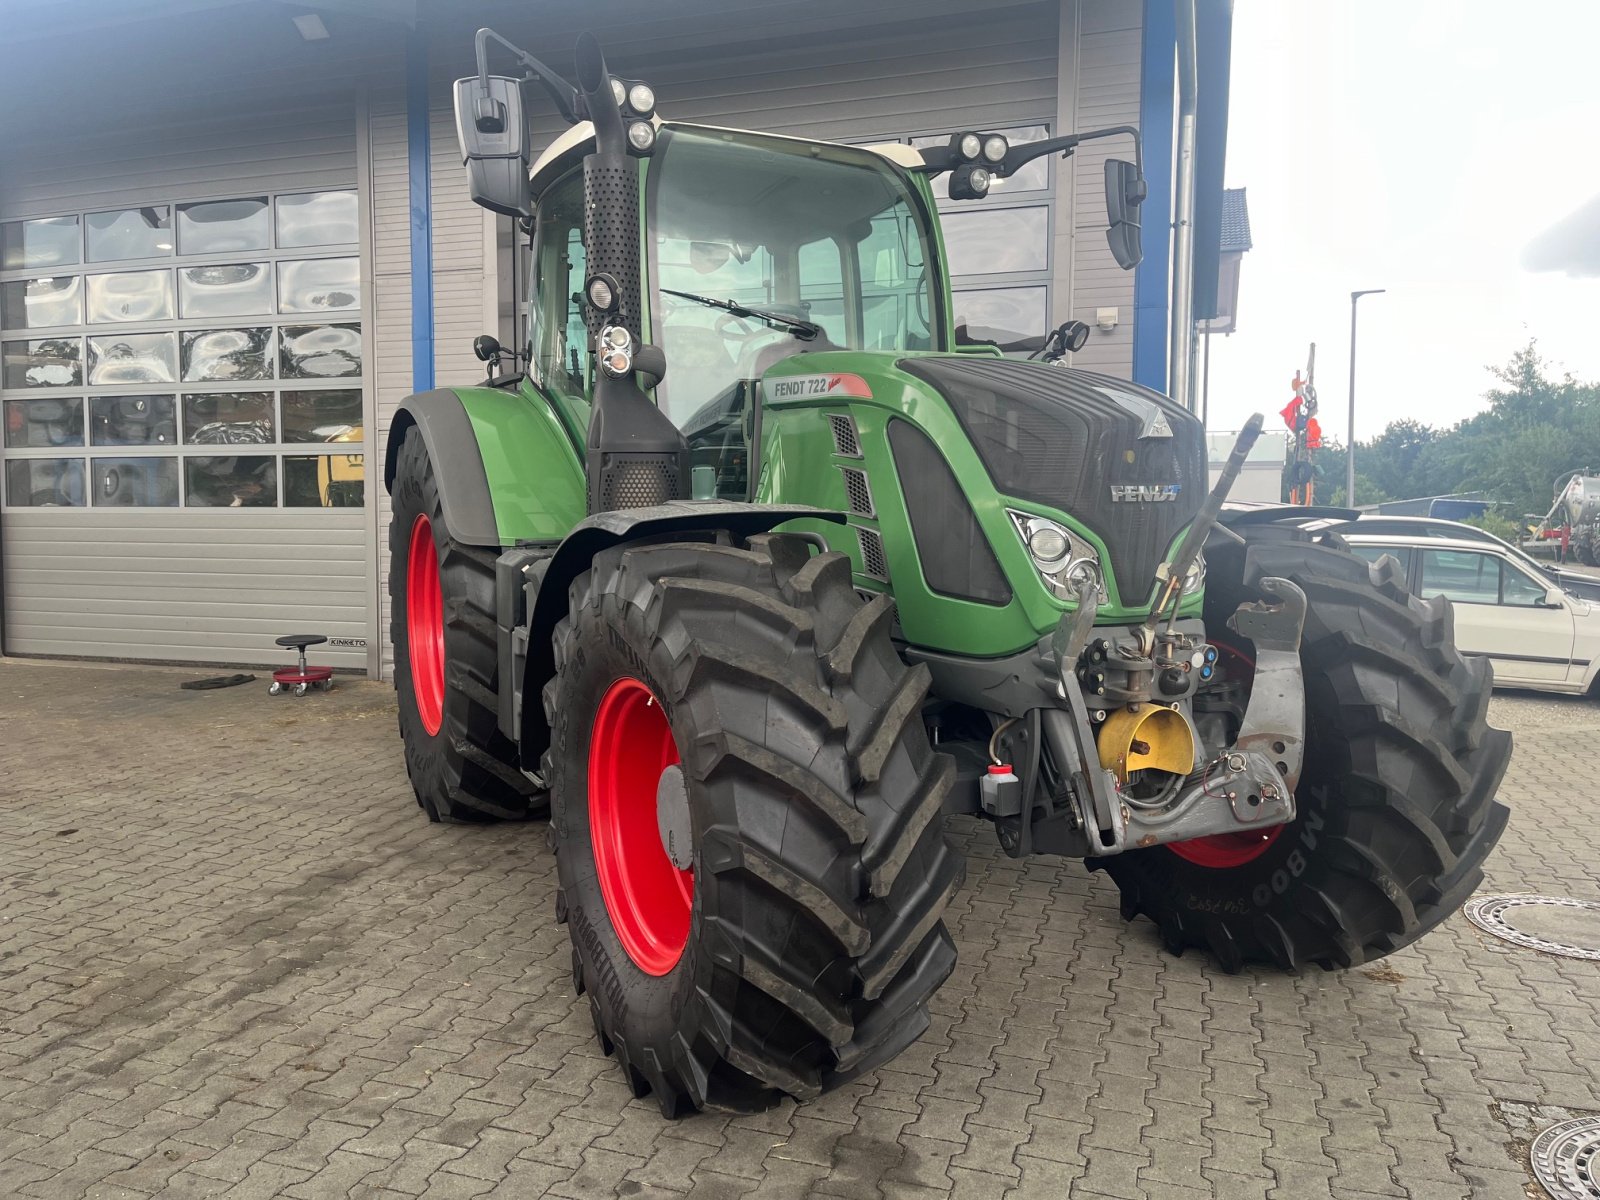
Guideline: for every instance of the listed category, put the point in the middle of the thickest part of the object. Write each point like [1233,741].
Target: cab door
[1502,613]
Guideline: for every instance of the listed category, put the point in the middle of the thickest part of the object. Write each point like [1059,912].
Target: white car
[1533,633]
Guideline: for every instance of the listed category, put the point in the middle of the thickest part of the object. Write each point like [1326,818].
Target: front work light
[642,99]
[969,145]
[969,182]
[995,147]
[619,92]
[602,292]
[641,136]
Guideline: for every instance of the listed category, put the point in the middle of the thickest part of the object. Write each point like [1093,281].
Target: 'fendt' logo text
[1144,493]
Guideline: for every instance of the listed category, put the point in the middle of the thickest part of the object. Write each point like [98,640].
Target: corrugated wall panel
[1107,93]
[190,585]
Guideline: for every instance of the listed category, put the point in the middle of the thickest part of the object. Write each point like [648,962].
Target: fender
[548,580]
[506,469]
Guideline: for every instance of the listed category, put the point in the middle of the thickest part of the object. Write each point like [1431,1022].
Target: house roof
[1235,221]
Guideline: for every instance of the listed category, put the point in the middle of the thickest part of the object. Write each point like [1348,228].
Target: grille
[872,560]
[857,491]
[638,480]
[845,442]
[956,557]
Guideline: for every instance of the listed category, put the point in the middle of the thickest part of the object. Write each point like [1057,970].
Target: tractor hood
[1126,461]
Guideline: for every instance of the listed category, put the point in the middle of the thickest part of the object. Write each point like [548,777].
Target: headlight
[970,145]
[1195,577]
[995,147]
[1064,560]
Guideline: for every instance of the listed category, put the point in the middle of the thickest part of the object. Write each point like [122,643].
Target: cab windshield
[823,247]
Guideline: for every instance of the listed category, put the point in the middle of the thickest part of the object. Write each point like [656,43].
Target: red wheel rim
[1221,851]
[647,897]
[425,625]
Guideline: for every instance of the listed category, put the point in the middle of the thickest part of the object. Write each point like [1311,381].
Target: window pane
[49,422]
[133,421]
[131,296]
[228,418]
[231,290]
[49,362]
[32,303]
[40,482]
[135,482]
[1401,554]
[986,241]
[1516,588]
[1460,575]
[317,219]
[231,481]
[48,242]
[132,358]
[332,416]
[320,351]
[318,284]
[130,233]
[1011,312]
[226,354]
[222,226]
[324,480]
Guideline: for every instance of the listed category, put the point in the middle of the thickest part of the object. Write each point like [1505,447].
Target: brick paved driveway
[235,960]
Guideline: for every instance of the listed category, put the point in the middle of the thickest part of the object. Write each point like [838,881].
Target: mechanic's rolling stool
[301,678]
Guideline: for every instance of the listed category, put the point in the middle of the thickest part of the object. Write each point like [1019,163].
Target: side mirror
[493,135]
[486,346]
[1555,598]
[1125,192]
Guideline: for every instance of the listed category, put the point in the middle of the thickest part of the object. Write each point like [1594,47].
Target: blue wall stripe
[421,212]
[1151,288]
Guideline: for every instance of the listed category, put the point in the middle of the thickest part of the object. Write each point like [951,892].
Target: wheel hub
[639,826]
[425,624]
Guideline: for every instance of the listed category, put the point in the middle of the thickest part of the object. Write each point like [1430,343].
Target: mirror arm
[561,92]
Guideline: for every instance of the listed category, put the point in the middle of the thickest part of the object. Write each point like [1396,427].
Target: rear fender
[547,582]
[506,469]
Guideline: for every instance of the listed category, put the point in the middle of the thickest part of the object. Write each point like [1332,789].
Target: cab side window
[559,334]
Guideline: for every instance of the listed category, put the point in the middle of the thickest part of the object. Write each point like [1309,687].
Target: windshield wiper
[805,330]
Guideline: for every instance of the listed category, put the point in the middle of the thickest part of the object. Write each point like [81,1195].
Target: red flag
[1291,412]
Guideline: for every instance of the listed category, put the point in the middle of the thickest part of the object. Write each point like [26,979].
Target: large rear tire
[748,698]
[441,603]
[1395,805]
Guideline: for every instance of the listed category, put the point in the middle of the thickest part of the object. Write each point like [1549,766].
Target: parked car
[1575,583]
[1507,609]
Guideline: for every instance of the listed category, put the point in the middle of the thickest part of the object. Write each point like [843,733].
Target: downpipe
[1180,352]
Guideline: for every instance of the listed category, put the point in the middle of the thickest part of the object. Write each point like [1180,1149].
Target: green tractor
[752,569]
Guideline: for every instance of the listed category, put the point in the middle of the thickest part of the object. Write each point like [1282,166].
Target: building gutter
[421,200]
[1180,350]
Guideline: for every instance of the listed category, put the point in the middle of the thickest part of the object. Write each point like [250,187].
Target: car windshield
[811,246]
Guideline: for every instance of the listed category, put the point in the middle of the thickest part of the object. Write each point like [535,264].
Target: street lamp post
[1350,447]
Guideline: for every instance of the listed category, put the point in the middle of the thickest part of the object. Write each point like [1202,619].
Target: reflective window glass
[1401,554]
[132,358]
[47,242]
[226,290]
[129,233]
[34,303]
[218,354]
[324,480]
[1011,313]
[48,362]
[134,482]
[1519,590]
[44,482]
[986,241]
[228,419]
[319,285]
[44,422]
[133,421]
[222,226]
[1463,576]
[317,219]
[330,416]
[320,351]
[130,296]
[231,481]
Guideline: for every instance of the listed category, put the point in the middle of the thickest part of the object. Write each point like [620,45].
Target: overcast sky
[1448,150]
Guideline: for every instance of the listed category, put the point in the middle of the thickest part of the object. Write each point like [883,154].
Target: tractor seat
[299,641]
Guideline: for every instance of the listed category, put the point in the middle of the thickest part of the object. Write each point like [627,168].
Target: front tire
[1395,809]
[781,731]
[441,603]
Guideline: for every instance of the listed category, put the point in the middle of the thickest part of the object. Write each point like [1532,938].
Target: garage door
[182,378]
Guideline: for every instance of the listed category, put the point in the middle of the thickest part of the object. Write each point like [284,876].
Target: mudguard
[506,469]
[548,581]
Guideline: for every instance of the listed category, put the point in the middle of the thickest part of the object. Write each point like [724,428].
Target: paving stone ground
[236,961]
